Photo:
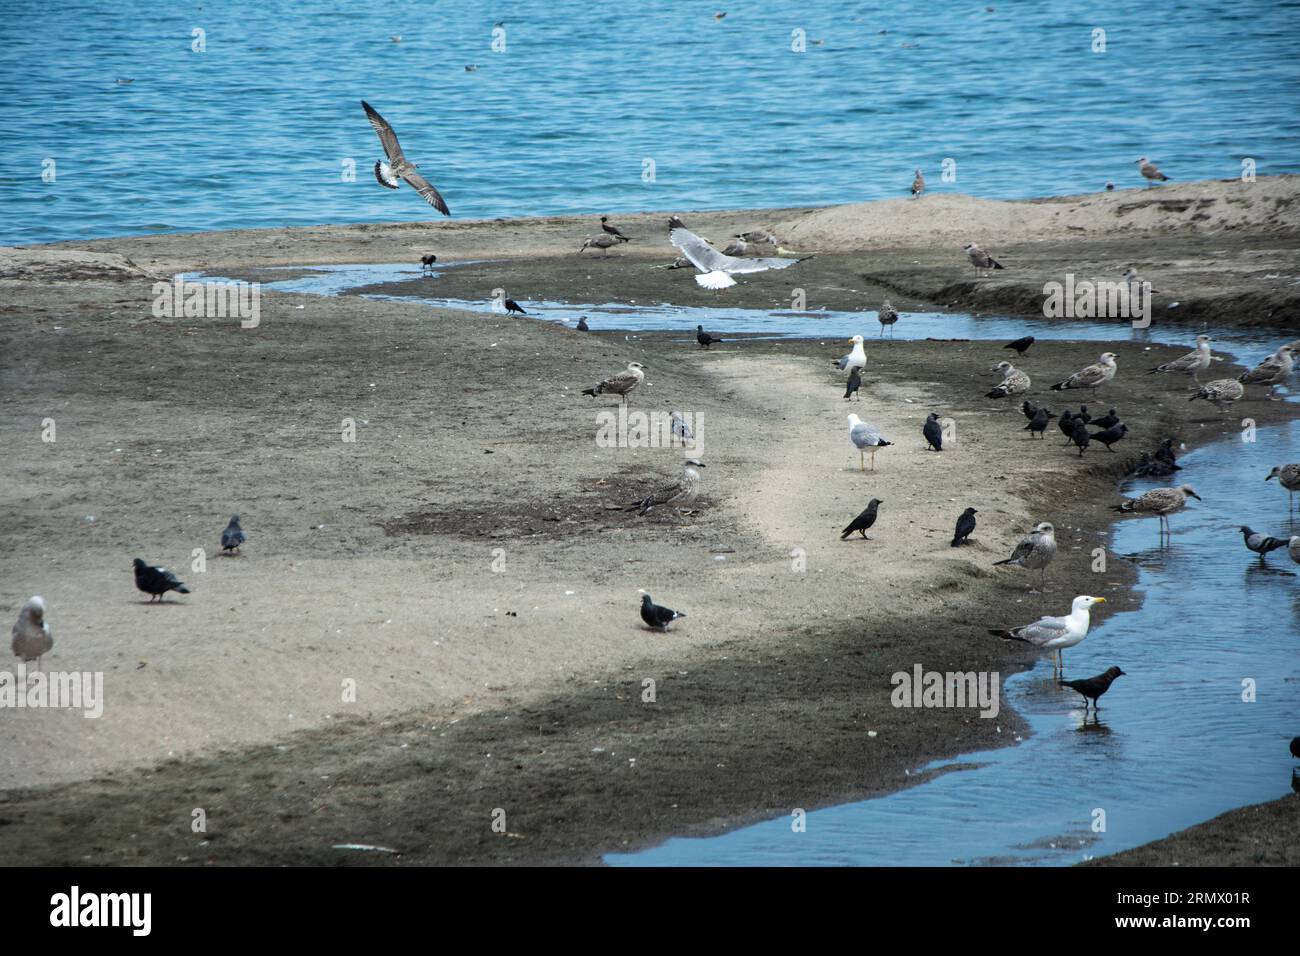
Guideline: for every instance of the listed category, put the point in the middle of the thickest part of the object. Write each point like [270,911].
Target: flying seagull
[679,495]
[1021,345]
[865,438]
[1273,371]
[1093,687]
[933,432]
[856,357]
[1193,363]
[398,166]
[979,258]
[887,316]
[965,525]
[1261,544]
[613,230]
[621,384]
[716,268]
[1222,391]
[156,580]
[1149,171]
[1288,476]
[1055,634]
[32,638]
[233,536]
[1093,376]
[854,383]
[918,184]
[704,338]
[1035,551]
[1161,502]
[1014,381]
[604,243]
[864,521]
[657,618]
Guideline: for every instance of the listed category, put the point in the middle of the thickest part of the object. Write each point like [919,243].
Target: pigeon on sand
[621,384]
[398,166]
[864,521]
[656,617]
[866,437]
[1055,634]
[156,581]
[233,536]
[1092,376]
[32,638]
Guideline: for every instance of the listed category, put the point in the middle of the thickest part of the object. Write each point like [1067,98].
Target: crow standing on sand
[612,229]
[862,522]
[855,382]
[1093,687]
[1080,435]
[1029,408]
[1038,424]
[704,338]
[965,525]
[1109,420]
[1020,345]
[233,536]
[156,581]
[933,431]
[1111,435]
[513,306]
[656,617]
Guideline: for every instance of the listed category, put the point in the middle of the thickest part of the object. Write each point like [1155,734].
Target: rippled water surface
[255,130]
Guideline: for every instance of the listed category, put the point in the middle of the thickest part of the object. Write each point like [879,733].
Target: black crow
[612,230]
[1080,436]
[1109,420]
[658,617]
[1039,423]
[1066,424]
[1093,687]
[855,382]
[513,306]
[933,431]
[1020,345]
[426,263]
[704,338]
[1111,435]
[582,324]
[862,522]
[965,525]
[1029,408]
[156,580]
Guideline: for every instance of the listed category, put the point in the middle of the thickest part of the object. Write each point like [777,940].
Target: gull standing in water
[398,166]
[1222,391]
[1055,634]
[1288,476]
[715,267]
[1193,363]
[1161,502]
[1093,376]
[887,316]
[1035,551]
[866,437]
[1273,371]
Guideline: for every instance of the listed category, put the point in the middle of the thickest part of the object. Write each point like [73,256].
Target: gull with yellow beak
[1055,634]
[856,357]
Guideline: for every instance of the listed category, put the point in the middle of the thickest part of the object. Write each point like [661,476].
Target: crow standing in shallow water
[1093,687]
[862,522]
[965,525]
[513,306]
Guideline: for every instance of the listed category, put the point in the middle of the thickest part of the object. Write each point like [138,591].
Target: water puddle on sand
[1175,744]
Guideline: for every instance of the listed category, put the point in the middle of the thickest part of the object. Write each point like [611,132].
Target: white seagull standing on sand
[1149,171]
[716,268]
[1093,376]
[866,437]
[1056,633]
[398,166]
[31,635]
[857,357]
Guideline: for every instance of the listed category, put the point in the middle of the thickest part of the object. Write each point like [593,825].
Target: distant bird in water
[704,338]
[1288,476]
[1149,171]
[887,317]
[613,230]
[1038,424]
[513,306]
[1093,687]
[933,431]
[156,580]
[1111,435]
[854,383]
[471,67]
[1161,502]
[32,638]
[1079,436]
[1261,544]
[719,15]
[1021,345]
[426,263]
[1035,551]
[398,166]
[656,617]
[866,437]
[582,324]
[918,184]
[1110,187]
[979,258]
[864,521]
[1295,747]
[620,384]
[965,525]
[233,536]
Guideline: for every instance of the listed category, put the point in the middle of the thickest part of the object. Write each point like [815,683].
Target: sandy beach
[466,565]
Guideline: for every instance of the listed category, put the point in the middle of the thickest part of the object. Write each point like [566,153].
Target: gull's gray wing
[620,382]
[708,259]
[425,189]
[1043,630]
[386,135]
[864,435]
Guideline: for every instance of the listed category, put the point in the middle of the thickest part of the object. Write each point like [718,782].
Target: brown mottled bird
[398,166]
[621,384]
[1093,687]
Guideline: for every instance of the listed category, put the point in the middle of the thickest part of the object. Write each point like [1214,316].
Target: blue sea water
[254,130]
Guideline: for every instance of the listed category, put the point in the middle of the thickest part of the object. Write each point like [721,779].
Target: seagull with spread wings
[398,166]
[716,269]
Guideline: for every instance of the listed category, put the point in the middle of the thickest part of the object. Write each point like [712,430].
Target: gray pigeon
[233,536]
[1261,544]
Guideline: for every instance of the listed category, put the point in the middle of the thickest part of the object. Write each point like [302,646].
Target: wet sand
[432,560]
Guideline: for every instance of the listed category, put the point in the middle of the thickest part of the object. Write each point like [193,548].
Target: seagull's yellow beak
[1099,600]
